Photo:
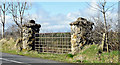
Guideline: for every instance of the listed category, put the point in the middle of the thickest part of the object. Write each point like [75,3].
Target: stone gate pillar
[29,31]
[80,34]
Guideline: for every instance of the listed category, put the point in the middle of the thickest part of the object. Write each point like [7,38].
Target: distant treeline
[58,34]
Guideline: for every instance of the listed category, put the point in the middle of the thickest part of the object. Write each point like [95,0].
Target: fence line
[53,42]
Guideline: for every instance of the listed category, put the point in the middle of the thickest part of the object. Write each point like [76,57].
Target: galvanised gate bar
[53,42]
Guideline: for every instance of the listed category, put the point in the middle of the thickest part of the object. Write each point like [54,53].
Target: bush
[70,55]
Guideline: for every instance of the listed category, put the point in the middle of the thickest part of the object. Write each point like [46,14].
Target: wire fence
[53,42]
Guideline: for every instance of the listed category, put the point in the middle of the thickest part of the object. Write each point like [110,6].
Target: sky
[56,16]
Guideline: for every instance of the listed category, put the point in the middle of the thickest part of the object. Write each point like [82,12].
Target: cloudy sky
[56,16]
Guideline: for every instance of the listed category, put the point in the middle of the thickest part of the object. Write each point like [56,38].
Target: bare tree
[12,31]
[21,8]
[102,7]
[98,29]
[3,11]
[17,10]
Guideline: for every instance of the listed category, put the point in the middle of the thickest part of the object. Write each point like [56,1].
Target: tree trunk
[106,35]
[3,23]
[3,26]
[103,41]
[21,27]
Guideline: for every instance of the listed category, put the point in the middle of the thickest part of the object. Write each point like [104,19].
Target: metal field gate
[53,42]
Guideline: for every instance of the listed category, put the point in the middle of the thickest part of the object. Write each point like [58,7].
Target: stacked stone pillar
[29,31]
[80,34]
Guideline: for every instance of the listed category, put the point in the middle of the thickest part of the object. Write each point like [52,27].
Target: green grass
[89,54]
[8,47]
[91,51]
[49,56]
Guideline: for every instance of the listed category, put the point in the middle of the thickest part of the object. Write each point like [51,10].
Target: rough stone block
[80,33]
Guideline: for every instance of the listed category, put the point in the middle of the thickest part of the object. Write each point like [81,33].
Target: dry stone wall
[80,34]
[29,31]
